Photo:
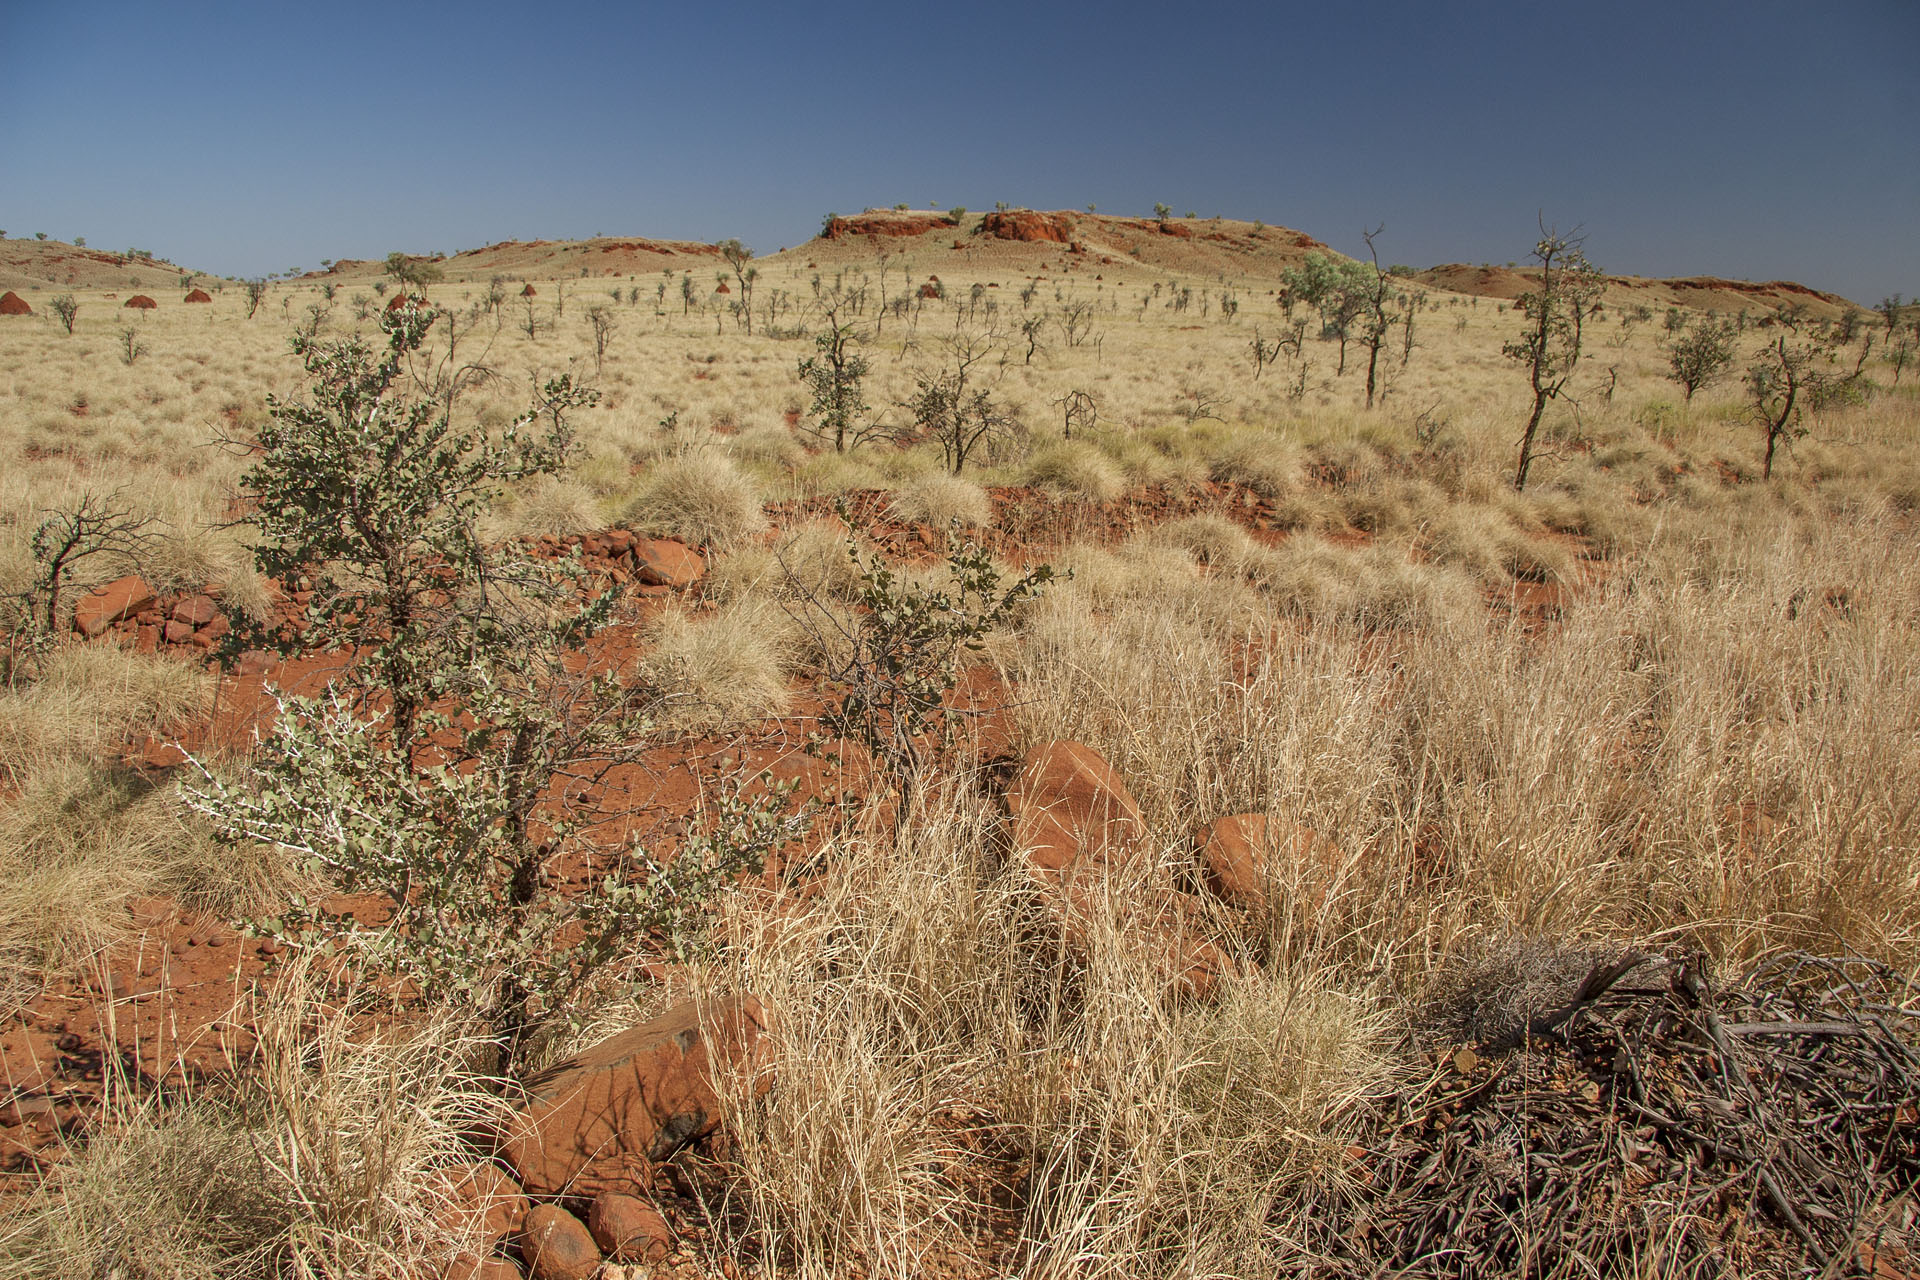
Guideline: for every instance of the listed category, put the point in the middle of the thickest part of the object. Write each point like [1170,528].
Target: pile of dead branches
[1652,1125]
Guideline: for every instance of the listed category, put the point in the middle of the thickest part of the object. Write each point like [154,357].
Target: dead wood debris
[1652,1125]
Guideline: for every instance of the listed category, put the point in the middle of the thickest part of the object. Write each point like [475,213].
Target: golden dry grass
[1707,741]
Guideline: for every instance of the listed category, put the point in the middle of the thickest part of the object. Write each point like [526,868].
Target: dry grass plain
[1649,702]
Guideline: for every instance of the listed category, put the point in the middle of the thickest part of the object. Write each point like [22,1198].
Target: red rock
[602,1120]
[149,639]
[1069,807]
[628,1229]
[557,1245]
[178,632]
[1026,225]
[619,541]
[470,1266]
[104,606]
[217,629]
[12,304]
[199,295]
[662,562]
[487,1206]
[196,610]
[140,302]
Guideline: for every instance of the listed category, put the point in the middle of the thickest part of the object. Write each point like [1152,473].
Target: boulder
[1238,853]
[662,562]
[628,1229]
[486,1207]
[118,600]
[601,1121]
[12,304]
[1070,808]
[469,1266]
[195,611]
[557,1245]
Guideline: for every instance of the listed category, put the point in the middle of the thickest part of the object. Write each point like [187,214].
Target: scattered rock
[140,302]
[116,601]
[601,1121]
[628,1229]
[178,632]
[195,611]
[557,1245]
[1069,807]
[12,304]
[662,562]
[199,295]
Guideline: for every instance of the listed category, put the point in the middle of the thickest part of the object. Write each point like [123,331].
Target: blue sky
[1748,139]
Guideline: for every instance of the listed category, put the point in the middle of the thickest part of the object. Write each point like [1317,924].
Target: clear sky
[1745,138]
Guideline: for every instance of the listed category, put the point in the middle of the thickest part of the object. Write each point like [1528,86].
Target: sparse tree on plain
[1556,312]
[738,257]
[602,321]
[834,374]
[950,408]
[1701,354]
[1783,377]
[64,309]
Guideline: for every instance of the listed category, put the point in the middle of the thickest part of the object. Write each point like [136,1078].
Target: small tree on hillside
[411,274]
[1377,296]
[1556,312]
[1783,377]
[1701,354]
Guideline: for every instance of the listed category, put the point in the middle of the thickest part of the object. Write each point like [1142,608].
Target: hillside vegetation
[1338,860]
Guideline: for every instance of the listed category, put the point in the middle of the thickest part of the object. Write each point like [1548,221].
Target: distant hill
[1016,238]
[1702,293]
[55,264]
[548,260]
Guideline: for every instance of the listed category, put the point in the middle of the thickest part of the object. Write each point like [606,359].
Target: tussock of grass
[1374,585]
[555,505]
[1076,470]
[941,499]
[90,699]
[1263,462]
[699,498]
[726,666]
